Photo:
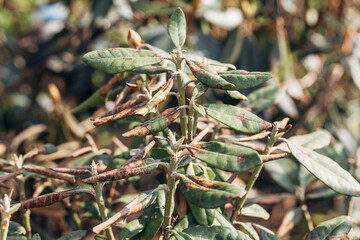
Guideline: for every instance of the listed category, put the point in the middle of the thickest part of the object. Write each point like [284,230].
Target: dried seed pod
[49,173]
[157,98]
[126,170]
[47,199]
[155,125]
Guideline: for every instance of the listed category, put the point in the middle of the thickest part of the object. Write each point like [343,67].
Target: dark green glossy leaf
[186,222]
[326,170]
[227,157]
[237,118]
[208,193]
[177,28]
[263,98]
[118,60]
[132,228]
[73,235]
[255,210]
[336,228]
[244,80]
[208,76]
[213,232]
[284,172]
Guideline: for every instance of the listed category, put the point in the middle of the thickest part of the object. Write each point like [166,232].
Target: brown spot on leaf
[241,157]
[245,72]
[242,118]
[203,182]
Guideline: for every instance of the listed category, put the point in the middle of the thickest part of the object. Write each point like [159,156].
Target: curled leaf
[155,125]
[9,176]
[133,167]
[48,199]
[139,203]
[43,149]
[49,173]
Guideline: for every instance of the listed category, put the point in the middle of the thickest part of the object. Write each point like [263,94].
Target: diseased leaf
[49,173]
[227,157]
[199,90]
[263,98]
[177,28]
[209,61]
[284,172]
[118,60]
[291,219]
[236,95]
[208,76]
[208,193]
[212,232]
[15,229]
[326,170]
[73,235]
[244,80]
[139,203]
[152,69]
[43,149]
[255,210]
[336,228]
[155,125]
[264,233]
[237,118]
[50,198]
[133,167]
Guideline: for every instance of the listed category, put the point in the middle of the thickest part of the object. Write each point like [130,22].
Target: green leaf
[255,210]
[205,217]
[248,228]
[209,61]
[291,219]
[177,28]
[321,193]
[237,118]
[326,170]
[100,237]
[186,222]
[208,76]
[264,233]
[36,237]
[156,220]
[74,234]
[284,172]
[263,98]
[227,157]
[199,109]
[336,228]
[244,80]
[118,60]
[199,90]
[213,232]
[208,193]
[15,229]
[236,95]
[315,140]
[132,228]
[152,69]
[94,100]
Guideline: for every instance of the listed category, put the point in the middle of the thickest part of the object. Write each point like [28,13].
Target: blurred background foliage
[312,47]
